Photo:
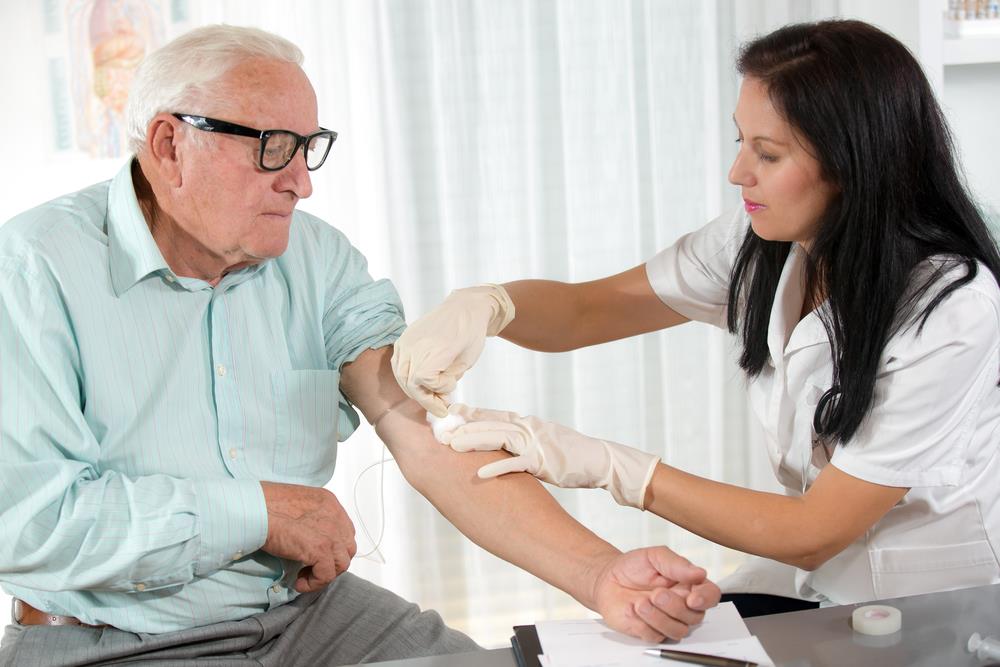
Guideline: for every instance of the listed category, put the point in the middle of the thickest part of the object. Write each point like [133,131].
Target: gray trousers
[350,621]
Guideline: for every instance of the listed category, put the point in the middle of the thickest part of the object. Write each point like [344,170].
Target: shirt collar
[132,251]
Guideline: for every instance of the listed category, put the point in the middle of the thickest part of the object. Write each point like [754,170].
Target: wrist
[594,574]
[631,475]
[501,307]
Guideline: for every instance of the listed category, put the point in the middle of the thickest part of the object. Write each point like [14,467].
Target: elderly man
[180,351]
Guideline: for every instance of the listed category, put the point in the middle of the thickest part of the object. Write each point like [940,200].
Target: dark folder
[526,646]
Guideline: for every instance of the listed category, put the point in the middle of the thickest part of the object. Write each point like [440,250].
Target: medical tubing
[376,542]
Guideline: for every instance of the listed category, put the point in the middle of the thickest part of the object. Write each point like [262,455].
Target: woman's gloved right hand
[436,350]
[551,452]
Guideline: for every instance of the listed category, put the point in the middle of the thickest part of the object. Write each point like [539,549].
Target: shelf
[972,28]
[971,50]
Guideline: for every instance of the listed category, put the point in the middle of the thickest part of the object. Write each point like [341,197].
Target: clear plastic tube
[985,648]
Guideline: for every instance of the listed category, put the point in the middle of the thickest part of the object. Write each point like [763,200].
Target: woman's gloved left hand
[552,453]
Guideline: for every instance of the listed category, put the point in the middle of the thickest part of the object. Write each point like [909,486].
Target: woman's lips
[752,206]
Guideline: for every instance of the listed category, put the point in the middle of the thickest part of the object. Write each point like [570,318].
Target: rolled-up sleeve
[359,314]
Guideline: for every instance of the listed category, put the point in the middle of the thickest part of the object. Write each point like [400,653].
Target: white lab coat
[933,426]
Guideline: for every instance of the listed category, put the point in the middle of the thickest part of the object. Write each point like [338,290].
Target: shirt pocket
[903,571]
[306,409]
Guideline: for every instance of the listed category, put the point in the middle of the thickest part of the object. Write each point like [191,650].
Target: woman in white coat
[862,283]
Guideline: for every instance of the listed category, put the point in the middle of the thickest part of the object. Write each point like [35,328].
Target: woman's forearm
[803,531]
[551,316]
[546,313]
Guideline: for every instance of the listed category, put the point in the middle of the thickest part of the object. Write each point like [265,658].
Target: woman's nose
[739,173]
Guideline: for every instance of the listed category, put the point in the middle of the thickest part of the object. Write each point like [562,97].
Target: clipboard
[526,646]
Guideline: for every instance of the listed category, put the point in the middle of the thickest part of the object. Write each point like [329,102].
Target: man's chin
[265,251]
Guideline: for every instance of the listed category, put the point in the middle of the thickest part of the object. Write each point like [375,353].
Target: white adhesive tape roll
[876,619]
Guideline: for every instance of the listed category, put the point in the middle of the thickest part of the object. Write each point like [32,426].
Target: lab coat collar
[785,333]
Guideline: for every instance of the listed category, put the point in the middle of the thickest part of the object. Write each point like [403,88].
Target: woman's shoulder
[935,301]
[940,272]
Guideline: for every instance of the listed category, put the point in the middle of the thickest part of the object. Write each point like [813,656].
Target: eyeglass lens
[279,148]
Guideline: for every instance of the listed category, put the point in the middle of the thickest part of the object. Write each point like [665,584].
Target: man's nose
[295,177]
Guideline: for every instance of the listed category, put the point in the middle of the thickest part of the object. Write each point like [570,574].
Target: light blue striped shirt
[139,409]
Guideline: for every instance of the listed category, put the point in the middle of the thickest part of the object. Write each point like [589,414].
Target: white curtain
[490,140]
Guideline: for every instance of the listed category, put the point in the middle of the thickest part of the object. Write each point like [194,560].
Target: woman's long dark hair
[860,99]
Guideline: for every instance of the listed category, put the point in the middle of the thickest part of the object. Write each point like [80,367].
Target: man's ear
[162,137]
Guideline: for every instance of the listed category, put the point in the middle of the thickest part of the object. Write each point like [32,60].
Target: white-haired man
[180,351]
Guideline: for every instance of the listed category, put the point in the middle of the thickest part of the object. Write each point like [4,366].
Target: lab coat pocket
[914,570]
[306,408]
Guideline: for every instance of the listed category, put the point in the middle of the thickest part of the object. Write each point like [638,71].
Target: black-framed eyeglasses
[277,147]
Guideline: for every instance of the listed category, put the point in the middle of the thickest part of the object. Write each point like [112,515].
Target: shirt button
[233,453]
[220,370]
[238,555]
[169,278]
[140,587]
[276,588]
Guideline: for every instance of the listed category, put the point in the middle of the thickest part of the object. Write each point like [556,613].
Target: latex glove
[436,350]
[553,453]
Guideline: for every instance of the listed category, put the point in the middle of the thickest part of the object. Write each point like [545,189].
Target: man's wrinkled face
[227,206]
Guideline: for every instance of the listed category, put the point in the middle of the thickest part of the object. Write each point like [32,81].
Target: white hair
[183,71]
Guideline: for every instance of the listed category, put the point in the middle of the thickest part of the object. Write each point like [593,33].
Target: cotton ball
[444,425]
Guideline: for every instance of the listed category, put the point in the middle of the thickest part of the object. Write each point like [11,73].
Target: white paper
[590,643]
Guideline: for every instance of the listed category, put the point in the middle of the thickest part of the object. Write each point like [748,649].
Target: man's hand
[436,350]
[308,525]
[653,593]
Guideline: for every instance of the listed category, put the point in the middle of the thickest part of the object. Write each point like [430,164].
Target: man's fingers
[636,626]
[660,621]
[704,596]
[675,567]
[503,466]
[308,581]
[673,603]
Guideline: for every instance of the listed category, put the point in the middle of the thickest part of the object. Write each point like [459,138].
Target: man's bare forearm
[513,516]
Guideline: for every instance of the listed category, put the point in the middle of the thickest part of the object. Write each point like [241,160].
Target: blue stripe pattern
[140,409]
